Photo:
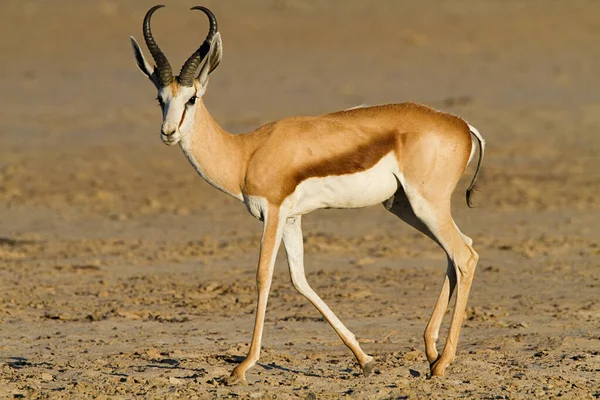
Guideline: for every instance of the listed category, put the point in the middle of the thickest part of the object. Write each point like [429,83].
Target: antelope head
[177,95]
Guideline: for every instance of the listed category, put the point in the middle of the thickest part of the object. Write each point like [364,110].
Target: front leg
[271,239]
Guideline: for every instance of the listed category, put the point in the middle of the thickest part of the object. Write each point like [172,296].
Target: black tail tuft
[470,191]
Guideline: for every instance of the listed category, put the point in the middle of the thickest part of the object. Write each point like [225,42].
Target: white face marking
[175,124]
[360,189]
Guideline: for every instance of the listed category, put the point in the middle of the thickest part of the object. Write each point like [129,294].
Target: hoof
[236,380]
[368,368]
[437,369]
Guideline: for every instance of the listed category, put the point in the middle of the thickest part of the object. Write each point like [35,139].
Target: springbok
[406,156]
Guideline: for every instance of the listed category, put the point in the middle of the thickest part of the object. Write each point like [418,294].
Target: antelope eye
[192,100]
[160,101]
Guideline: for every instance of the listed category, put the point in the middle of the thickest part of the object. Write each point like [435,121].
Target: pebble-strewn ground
[123,275]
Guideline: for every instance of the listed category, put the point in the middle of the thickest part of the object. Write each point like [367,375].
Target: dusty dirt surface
[124,275]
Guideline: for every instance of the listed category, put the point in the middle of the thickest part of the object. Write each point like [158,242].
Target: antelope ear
[215,54]
[142,64]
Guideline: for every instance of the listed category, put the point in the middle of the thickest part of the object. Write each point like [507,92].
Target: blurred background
[90,199]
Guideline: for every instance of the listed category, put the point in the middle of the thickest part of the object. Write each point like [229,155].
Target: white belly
[360,189]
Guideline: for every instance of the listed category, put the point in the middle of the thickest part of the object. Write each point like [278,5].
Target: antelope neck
[215,154]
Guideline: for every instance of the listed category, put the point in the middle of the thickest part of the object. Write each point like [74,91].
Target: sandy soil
[122,274]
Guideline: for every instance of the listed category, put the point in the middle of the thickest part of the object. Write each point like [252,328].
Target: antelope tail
[481,143]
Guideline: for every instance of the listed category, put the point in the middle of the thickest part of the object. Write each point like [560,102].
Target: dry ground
[122,274]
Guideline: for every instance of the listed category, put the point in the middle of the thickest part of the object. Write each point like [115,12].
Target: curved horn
[186,75]
[165,73]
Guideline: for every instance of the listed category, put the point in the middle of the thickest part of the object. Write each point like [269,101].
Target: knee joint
[300,284]
[466,269]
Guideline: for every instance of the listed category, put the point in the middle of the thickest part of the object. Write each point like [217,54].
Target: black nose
[168,133]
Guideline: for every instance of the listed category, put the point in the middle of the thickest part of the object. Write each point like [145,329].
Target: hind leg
[465,260]
[432,330]
[432,217]
[400,206]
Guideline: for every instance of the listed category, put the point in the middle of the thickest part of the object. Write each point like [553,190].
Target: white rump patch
[475,132]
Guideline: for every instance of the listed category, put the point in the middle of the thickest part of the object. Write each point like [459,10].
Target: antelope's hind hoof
[236,380]
[368,368]
[436,369]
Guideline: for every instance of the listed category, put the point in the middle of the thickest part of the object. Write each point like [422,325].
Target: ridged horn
[188,71]
[165,73]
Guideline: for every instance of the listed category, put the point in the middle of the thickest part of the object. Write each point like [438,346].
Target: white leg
[294,247]
[270,242]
